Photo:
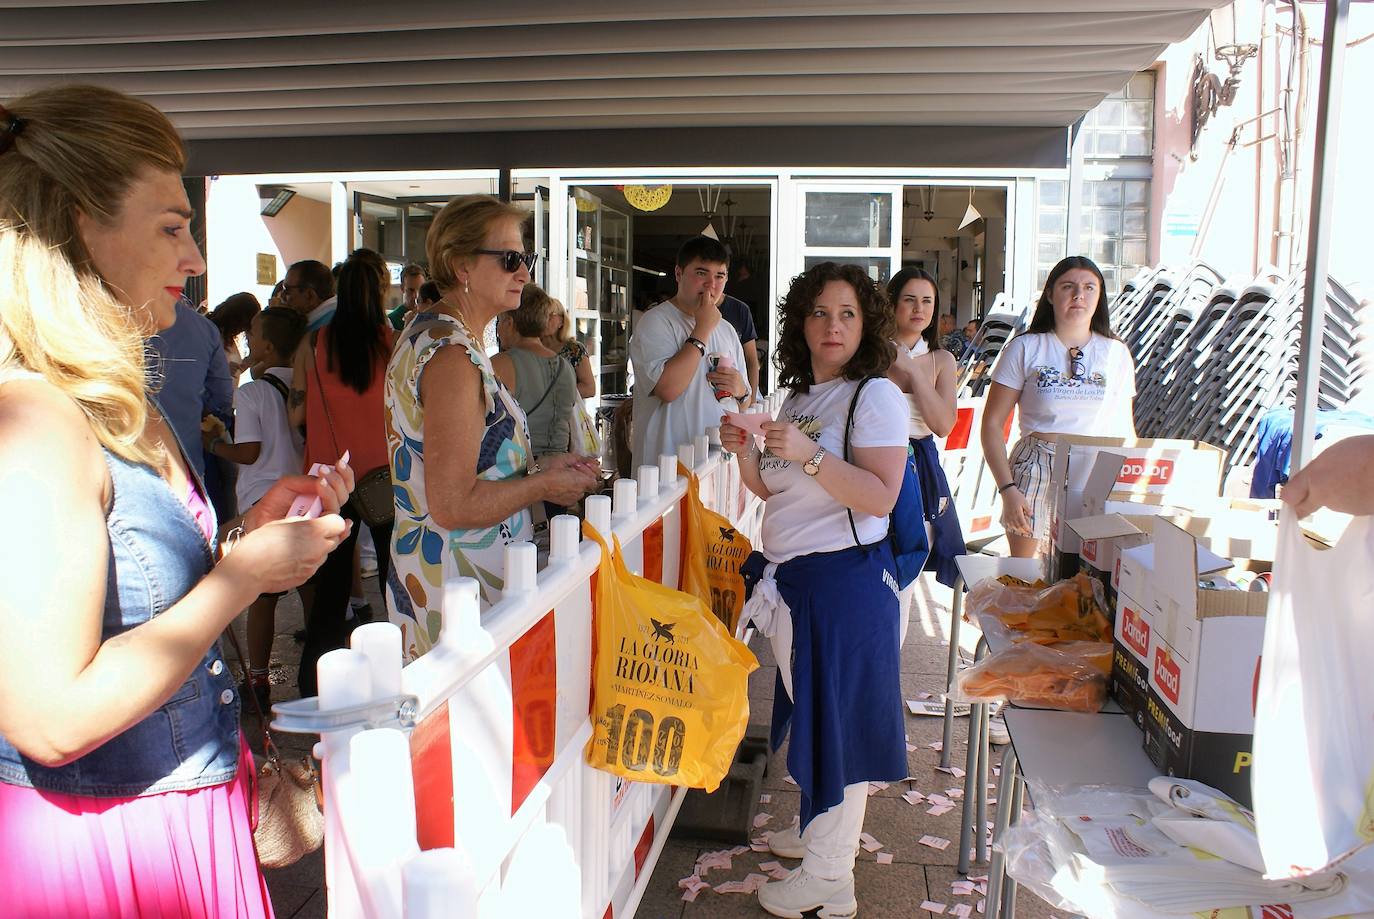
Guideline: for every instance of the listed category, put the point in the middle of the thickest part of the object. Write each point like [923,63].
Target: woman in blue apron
[926,374]
[824,588]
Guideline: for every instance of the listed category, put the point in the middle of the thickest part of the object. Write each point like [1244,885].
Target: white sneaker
[787,843]
[997,730]
[801,892]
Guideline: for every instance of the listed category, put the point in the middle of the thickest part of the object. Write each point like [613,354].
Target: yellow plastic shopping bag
[670,695]
[713,553]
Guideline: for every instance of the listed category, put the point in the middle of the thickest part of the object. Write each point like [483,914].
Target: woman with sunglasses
[461,461]
[558,336]
[1068,374]
[336,389]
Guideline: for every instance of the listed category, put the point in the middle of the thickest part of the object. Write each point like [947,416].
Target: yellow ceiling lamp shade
[648,197]
[585,205]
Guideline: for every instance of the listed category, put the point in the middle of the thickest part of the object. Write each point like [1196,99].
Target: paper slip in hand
[930,907]
[934,842]
[749,422]
[884,858]
[761,819]
[869,843]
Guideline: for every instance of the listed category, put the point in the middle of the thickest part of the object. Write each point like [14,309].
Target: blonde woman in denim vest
[125,785]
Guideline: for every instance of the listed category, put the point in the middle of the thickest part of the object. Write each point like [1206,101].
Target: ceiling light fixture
[971,214]
[274,198]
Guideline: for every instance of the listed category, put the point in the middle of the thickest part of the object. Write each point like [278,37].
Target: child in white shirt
[268,447]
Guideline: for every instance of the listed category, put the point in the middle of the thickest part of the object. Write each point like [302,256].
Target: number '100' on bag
[670,697]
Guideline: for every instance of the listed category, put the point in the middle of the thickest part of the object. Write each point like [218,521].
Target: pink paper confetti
[869,843]
[761,820]
[934,842]
[932,907]
[952,770]
[884,858]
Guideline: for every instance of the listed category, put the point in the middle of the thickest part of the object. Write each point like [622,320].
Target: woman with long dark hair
[337,388]
[826,594]
[926,373]
[1068,374]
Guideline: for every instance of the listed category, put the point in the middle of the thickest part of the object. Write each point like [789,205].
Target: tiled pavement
[917,873]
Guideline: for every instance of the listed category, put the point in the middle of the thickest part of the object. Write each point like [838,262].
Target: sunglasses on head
[511,260]
[1077,369]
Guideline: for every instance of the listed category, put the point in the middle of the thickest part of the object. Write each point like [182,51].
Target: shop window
[1052,226]
[1115,227]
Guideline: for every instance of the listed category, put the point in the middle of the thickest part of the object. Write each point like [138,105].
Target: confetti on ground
[911,748]
[963,888]
[761,819]
[935,842]
[977,877]
[765,799]
[914,797]
[884,858]
[939,810]
[739,850]
[939,745]
[760,843]
[962,910]
[789,780]
[769,866]
[730,887]
[752,882]
[691,895]
[869,843]
[952,770]
[875,787]
[936,798]
[931,907]
[981,904]
[692,880]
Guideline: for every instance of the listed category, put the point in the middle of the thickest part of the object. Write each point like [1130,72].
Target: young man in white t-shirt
[266,447]
[678,350]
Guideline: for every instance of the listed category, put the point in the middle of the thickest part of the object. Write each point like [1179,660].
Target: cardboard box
[1134,625]
[1153,473]
[1203,662]
[1102,540]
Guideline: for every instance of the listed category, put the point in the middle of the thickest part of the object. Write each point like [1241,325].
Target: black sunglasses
[512,260]
[1077,369]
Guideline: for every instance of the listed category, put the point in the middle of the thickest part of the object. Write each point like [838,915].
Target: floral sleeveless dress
[424,556]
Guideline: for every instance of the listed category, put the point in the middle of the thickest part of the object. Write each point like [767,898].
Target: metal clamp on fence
[304,716]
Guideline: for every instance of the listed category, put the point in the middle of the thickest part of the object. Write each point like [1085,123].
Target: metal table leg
[1018,787]
[984,756]
[956,614]
[1006,807]
[974,805]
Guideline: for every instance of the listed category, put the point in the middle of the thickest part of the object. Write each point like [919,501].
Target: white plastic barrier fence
[456,786]
[970,481]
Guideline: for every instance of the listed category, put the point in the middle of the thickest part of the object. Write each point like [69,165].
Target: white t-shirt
[260,417]
[1051,403]
[916,425]
[800,517]
[661,427]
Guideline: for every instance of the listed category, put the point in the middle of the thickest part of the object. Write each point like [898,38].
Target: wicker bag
[290,818]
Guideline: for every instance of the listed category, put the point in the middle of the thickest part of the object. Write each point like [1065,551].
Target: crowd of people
[155,499]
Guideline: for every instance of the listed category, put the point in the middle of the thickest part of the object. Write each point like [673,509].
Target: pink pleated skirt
[176,854]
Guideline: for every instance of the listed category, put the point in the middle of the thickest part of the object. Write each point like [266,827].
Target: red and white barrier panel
[970,481]
[456,786]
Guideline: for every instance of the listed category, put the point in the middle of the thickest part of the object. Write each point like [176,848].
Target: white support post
[599,515]
[626,502]
[648,482]
[565,537]
[439,883]
[522,567]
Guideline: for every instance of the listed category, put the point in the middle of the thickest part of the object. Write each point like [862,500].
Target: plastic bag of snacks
[670,690]
[1070,610]
[1070,676]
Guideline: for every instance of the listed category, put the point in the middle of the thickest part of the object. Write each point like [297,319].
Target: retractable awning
[983,70]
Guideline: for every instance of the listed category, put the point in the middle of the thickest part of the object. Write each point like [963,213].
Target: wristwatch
[813,466]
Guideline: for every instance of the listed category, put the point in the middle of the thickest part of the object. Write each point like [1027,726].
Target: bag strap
[557,375]
[848,425]
[319,384]
[276,384]
[268,746]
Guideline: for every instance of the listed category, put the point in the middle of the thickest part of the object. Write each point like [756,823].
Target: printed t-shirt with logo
[801,517]
[1099,403]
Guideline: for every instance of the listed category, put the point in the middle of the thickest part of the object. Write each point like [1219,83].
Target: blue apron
[947,539]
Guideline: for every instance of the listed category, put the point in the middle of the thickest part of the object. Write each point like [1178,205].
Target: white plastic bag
[1313,778]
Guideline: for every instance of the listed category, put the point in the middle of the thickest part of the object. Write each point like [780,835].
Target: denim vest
[157,554]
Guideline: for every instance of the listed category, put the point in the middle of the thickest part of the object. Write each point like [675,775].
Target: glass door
[614,377]
[852,224]
[584,272]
